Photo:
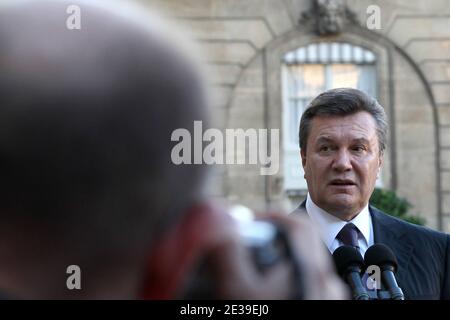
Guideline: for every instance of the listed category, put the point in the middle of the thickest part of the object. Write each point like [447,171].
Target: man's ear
[303,156]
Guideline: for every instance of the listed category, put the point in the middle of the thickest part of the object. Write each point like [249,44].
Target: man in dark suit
[342,141]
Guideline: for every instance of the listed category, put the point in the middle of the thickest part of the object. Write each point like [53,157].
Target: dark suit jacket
[423,255]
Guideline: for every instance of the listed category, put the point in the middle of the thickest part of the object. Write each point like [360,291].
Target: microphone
[350,266]
[380,255]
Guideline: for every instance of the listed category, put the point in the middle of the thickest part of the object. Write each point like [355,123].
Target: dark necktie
[349,235]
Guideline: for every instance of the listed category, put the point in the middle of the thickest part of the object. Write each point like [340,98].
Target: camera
[267,244]
[266,241]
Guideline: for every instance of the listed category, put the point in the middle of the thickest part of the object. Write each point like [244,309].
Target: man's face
[341,162]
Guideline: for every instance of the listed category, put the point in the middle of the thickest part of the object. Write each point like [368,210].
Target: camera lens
[262,238]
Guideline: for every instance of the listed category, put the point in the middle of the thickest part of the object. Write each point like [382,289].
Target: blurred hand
[236,276]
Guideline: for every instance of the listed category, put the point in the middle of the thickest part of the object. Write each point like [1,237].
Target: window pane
[367,80]
[292,72]
[297,108]
[312,53]
[324,52]
[292,130]
[301,55]
[353,76]
[344,75]
[335,52]
[346,52]
[313,80]
[358,54]
[305,81]
[369,56]
[289,57]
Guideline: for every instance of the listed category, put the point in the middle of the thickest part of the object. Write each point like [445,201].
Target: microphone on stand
[350,266]
[380,255]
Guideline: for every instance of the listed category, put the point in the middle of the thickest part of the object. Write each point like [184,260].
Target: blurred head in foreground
[85,123]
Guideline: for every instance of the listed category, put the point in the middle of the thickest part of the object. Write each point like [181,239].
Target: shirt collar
[329,225]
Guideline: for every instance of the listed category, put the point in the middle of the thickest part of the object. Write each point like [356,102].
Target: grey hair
[342,102]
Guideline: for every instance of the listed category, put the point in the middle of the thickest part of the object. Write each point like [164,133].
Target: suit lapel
[389,232]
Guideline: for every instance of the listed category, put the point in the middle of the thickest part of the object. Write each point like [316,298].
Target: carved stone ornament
[328,17]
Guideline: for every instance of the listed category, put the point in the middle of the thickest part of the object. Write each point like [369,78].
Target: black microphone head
[346,257]
[382,256]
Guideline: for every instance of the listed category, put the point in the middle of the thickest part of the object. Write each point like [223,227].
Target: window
[308,71]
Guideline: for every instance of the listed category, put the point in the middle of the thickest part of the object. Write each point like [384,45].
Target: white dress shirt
[329,226]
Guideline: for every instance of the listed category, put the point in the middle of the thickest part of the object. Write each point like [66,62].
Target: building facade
[267,58]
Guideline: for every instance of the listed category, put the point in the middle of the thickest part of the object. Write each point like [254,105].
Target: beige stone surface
[446,203]
[220,95]
[273,11]
[410,29]
[445,179]
[181,8]
[445,159]
[238,52]
[446,224]
[441,92]
[431,49]
[415,147]
[436,71]
[444,133]
[223,73]
[254,30]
